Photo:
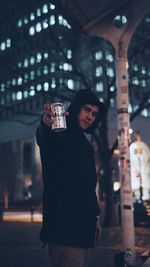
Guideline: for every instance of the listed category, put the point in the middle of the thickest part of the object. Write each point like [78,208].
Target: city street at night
[74,134]
[20,246]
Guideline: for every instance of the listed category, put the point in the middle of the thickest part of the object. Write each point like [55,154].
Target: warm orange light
[116,152]
[22,216]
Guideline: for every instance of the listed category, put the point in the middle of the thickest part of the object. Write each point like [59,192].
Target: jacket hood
[82,98]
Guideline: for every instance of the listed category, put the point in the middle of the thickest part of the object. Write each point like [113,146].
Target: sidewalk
[20,247]
[22,216]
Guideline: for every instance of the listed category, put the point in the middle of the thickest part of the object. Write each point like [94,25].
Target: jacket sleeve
[44,139]
[43,132]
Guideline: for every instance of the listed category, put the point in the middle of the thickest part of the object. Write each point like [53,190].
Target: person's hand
[47,115]
[98,231]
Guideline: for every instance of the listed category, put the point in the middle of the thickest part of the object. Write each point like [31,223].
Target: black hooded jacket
[69,201]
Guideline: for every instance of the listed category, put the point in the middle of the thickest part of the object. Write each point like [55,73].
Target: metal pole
[124,161]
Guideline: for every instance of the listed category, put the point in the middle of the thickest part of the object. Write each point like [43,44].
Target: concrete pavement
[20,247]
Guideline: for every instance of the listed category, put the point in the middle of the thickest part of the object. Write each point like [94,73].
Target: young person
[70,206]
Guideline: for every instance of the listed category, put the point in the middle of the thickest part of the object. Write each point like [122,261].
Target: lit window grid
[45,23]
[5,44]
[143,71]
[32,89]
[33,74]
[20,95]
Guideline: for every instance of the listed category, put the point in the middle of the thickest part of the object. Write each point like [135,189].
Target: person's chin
[84,127]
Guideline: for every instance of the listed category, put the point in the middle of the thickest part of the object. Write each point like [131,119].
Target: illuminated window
[38,12]
[39,87]
[69,54]
[3,46]
[26,63]
[130,108]
[69,26]
[32,16]
[19,65]
[65,66]
[70,84]
[99,87]
[19,95]
[52,6]
[135,67]
[145,112]
[45,55]
[46,86]
[19,81]
[8,43]
[135,81]
[32,60]
[143,83]
[110,72]
[52,68]
[52,20]
[25,20]
[13,81]
[99,71]
[147,19]
[53,83]
[26,76]
[2,87]
[101,99]
[32,75]
[135,107]
[19,23]
[65,23]
[60,19]
[60,66]
[112,89]
[32,30]
[38,27]
[45,70]
[32,93]
[69,67]
[45,9]
[45,24]
[109,57]
[39,57]
[143,70]
[25,94]
[13,96]
[32,87]
[98,55]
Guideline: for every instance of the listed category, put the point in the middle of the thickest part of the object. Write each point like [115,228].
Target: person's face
[87,116]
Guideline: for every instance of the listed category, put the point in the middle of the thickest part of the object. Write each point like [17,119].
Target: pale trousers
[64,256]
